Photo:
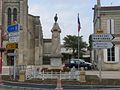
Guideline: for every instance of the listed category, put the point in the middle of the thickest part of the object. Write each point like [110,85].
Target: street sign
[13,28]
[102,45]
[102,37]
[13,39]
[12,46]
[11,54]
[13,34]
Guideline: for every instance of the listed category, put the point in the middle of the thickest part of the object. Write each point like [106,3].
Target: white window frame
[116,55]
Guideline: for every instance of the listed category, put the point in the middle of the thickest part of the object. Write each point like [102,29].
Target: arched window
[9,16]
[14,14]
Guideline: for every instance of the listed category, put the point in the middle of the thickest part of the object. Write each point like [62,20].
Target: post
[14,75]
[1,38]
[100,65]
[79,27]
[78,52]
[1,53]
[99,50]
[78,46]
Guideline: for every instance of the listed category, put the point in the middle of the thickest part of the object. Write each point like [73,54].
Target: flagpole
[78,47]
[78,39]
[78,36]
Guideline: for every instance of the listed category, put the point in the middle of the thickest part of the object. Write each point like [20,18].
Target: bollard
[22,76]
[58,85]
[1,81]
[82,75]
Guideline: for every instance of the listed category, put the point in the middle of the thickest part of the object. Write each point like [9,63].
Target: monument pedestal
[56,61]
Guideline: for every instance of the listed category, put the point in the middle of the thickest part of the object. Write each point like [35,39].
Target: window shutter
[116,54]
[110,26]
[105,55]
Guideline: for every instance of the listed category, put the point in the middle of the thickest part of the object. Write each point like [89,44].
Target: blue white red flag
[79,27]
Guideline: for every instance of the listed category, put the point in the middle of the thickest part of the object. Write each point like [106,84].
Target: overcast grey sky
[67,11]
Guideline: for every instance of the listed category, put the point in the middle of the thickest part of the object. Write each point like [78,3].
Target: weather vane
[55,18]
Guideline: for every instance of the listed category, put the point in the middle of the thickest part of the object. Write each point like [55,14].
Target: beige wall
[47,47]
[100,55]
[31,37]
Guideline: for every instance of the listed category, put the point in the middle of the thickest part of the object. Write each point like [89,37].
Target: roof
[110,8]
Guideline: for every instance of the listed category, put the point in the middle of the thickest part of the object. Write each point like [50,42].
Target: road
[47,88]
[105,74]
[23,86]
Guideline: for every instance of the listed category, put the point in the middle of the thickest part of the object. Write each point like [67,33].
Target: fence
[8,70]
[35,73]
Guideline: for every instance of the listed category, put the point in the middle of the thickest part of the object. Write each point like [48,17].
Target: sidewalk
[105,74]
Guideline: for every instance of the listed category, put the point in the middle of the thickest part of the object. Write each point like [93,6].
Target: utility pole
[99,50]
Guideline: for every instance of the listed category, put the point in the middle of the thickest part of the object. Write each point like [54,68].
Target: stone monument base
[56,61]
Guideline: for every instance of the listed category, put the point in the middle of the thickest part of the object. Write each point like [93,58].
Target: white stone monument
[56,46]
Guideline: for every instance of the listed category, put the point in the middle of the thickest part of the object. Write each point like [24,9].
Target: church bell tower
[16,11]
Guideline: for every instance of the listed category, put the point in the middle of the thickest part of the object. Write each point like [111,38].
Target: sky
[67,11]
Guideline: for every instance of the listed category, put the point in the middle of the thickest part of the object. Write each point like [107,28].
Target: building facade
[31,48]
[107,21]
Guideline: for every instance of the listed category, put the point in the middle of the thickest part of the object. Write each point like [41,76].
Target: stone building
[107,21]
[30,47]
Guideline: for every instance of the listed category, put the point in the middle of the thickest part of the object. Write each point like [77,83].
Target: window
[9,16]
[72,62]
[111,55]
[14,14]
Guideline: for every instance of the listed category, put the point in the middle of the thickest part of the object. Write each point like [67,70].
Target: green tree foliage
[90,42]
[71,42]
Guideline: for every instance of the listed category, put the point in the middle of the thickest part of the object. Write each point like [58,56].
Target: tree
[71,42]
[90,43]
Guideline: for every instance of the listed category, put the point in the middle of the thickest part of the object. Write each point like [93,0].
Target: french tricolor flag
[79,27]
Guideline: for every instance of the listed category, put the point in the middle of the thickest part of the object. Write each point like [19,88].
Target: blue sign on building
[13,28]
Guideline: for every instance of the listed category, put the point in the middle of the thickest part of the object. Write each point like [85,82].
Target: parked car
[78,63]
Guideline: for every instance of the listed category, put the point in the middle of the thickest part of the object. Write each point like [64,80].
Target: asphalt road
[12,88]
[52,87]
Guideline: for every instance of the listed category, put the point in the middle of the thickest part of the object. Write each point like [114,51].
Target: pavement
[105,74]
